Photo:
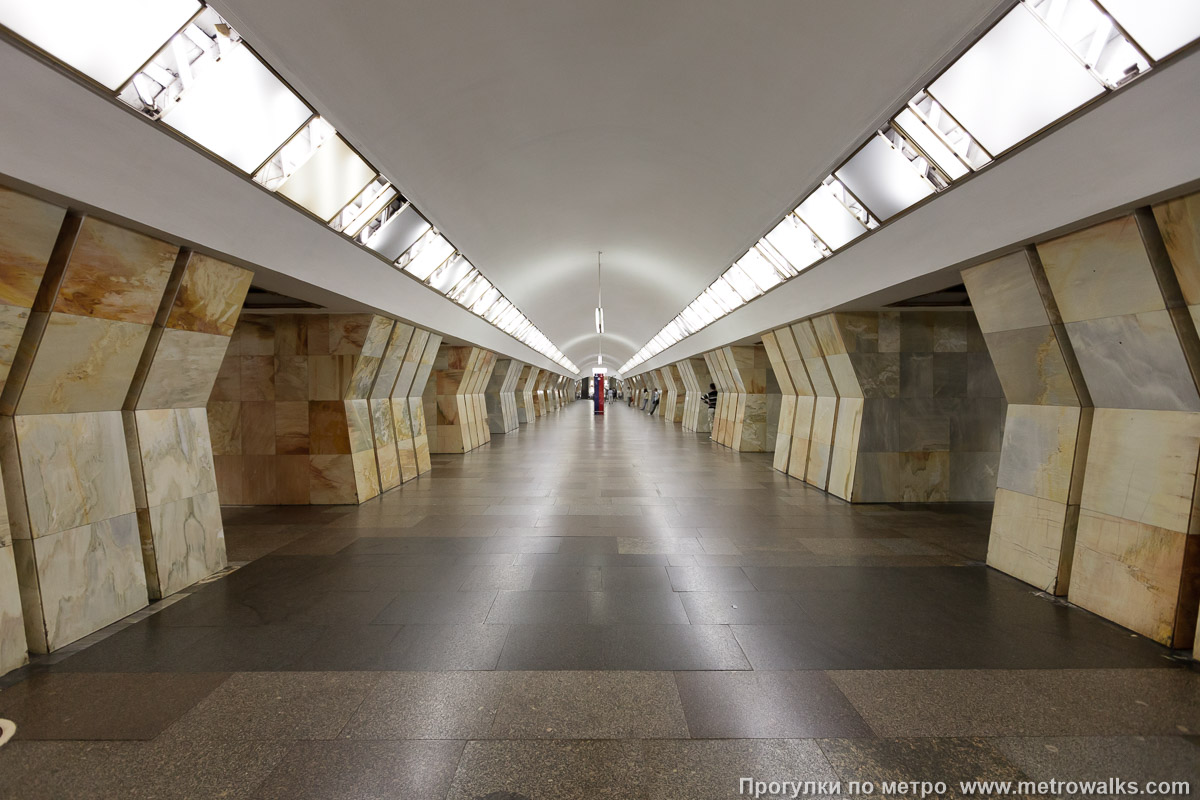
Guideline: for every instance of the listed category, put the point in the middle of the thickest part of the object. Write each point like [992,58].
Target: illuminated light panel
[398,233]
[883,179]
[830,219]
[450,273]
[107,41]
[1091,35]
[426,255]
[298,150]
[240,111]
[359,211]
[1015,81]
[330,179]
[1160,26]
[938,151]
[759,270]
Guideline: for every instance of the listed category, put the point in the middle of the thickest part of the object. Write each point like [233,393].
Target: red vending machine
[598,399]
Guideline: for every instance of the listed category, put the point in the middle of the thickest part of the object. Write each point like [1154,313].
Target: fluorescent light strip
[180,63]
[1041,62]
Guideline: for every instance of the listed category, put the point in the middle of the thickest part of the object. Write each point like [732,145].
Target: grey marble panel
[976,425]
[1134,361]
[880,426]
[973,477]
[916,331]
[923,425]
[982,380]
[916,374]
[878,373]
[950,372]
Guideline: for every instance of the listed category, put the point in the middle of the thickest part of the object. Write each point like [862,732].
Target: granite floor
[594,608]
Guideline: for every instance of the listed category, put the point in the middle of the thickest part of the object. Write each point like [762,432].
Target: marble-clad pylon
[1136,559]
[383,420]
[500,395]
[65,458]
[166,423]
[802,420]
[526,407]
[1047,426]
[787,403]
[402,390]
[28,231]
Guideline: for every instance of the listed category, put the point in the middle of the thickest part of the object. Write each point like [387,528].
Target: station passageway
[597,606]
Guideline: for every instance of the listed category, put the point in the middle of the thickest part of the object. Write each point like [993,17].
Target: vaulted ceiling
[669,134]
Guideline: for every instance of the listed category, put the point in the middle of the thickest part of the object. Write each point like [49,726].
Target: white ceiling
[669,134]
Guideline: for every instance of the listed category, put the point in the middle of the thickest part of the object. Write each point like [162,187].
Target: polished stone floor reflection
[592,608]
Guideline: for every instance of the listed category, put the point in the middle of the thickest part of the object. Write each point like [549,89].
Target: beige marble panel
[13,645]
[845,447]
[420,435]
[1132,573]
[1038,455]
[330,377]
[366,475]
[1141,466]
[115,274]
[331,480]
[1101,271]
[210,296]
[783,435]
[176,458]
[12,326]
[187,543]
[82,364]
[383,426]
[183,370]
[85,577]
[1005,295]
[924,477]
[74,469]
[349,334]
[802,437]
[1032,367]
[406,453]
[28,230]
[821,442]
[1179,222]
[1031,540]
[358,426]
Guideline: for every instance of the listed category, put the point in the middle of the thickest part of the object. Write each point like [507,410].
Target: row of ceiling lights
[1042,61]
[181,64]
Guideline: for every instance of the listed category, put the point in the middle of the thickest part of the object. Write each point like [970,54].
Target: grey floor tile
[347,648]
[277,705]
[549,770]
[635,578]
[533,608]
[490,579]
[615,607]
[159,770]
[427,608]
[709,579]
[363,770]
[1086,758]
[926,759]
[766,705]
[711,769]
[674,647]
[1025,702]
[444,647]
[589,705]
[554,647]
[740,608]
[103,705]
[428,705]
[566,579]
